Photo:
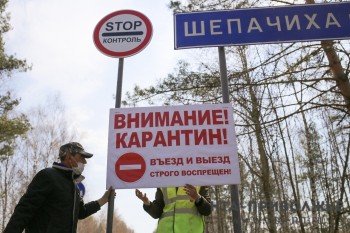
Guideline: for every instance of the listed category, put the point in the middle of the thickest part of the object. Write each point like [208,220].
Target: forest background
[291,106]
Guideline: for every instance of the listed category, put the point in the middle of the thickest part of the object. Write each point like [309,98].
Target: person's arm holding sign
[178,208]
[155,208]
[201,198]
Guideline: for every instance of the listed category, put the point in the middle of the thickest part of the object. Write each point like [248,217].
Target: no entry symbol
[130,167]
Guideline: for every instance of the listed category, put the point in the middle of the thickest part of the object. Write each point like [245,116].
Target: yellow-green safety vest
[180,214]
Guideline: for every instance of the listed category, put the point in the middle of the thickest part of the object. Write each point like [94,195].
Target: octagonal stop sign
[123,33]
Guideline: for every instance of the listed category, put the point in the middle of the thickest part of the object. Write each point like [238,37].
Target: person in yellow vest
[179,209]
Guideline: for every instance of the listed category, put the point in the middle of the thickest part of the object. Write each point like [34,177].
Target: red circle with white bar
[130,167]
[123,33]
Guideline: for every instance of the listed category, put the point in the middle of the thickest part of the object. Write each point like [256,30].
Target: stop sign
[122,33]
[130,167]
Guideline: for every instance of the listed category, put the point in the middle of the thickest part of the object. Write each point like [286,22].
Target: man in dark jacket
[52,203]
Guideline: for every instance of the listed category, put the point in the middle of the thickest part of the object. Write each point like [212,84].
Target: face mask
[79,169]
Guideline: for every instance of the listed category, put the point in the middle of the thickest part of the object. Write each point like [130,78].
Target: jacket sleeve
[156,207]
[88,209]
[204,205]
[29,203]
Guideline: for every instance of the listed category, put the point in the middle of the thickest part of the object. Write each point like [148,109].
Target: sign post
[121,34]
[235,207]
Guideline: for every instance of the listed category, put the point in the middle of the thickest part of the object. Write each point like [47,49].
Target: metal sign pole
[118,98]
[235,207]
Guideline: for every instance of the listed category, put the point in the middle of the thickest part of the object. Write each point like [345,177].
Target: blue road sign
[262,25]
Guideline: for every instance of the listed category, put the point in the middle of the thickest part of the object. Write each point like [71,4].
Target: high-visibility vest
[180,214]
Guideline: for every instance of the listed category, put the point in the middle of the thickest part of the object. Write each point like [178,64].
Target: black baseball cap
[73,148]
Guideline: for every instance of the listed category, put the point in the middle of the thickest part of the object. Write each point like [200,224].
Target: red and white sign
[172,146]
[130,167]
[123,33]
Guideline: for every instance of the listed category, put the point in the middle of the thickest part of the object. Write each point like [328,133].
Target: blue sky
[56,37]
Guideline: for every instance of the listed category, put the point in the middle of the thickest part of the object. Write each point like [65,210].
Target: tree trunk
[265,169]
[311,170]
[341,79]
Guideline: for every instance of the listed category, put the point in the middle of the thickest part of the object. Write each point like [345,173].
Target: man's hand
[104,199]
[192,192]
[142,197]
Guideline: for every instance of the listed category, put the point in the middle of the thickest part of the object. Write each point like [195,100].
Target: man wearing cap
[52,202]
